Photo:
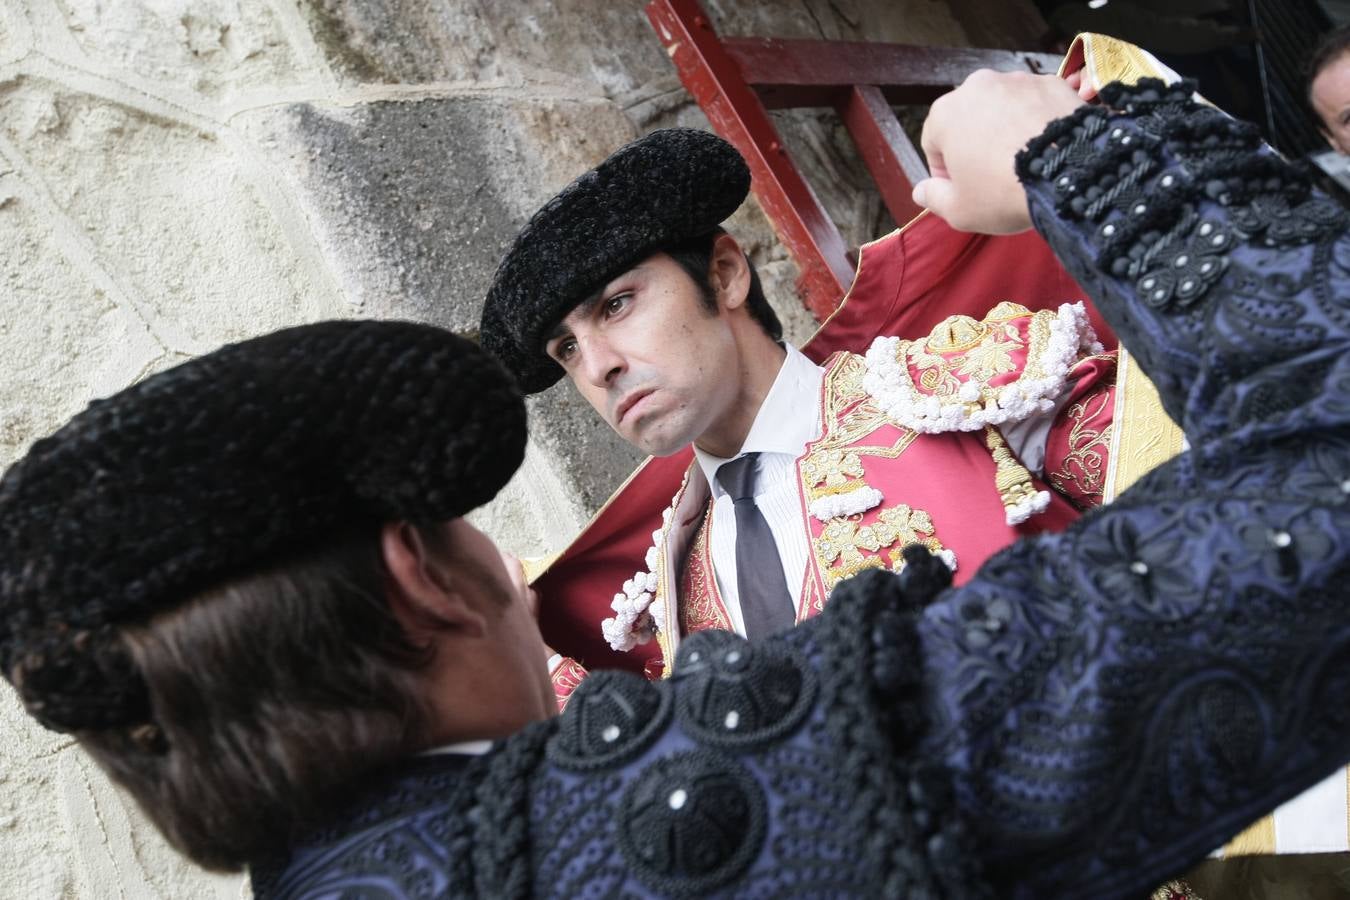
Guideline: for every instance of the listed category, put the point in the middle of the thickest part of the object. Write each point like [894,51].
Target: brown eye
[614,305]
[563,350]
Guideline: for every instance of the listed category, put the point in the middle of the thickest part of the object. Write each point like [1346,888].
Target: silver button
[678,798]
[610,734]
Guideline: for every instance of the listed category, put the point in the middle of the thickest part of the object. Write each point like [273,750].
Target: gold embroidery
[700,606]
[832,471]
[992,356]
[954,334]
[846,419]
[979,351]
[1082,472]
[1175,890]
[1015,487]
[566,678]
[1005,310]
[843,540]
[1146,438]
[834,464]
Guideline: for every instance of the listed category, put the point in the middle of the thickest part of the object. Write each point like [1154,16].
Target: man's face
[650,356]
[1331,100]
[498,580]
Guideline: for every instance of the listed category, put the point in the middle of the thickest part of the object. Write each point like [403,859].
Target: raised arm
[1116,701]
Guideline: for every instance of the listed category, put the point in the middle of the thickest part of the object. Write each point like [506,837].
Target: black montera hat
[667,187]
[220,466]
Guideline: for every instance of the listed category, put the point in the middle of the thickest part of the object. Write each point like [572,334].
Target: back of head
[269,694]
[189,571]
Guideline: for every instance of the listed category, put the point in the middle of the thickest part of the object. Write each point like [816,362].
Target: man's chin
[655,445]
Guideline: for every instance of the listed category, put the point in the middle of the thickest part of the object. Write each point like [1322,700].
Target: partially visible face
[650,357]
[1331,101]
[500,581]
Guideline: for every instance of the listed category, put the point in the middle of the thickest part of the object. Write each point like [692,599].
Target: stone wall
[175,174]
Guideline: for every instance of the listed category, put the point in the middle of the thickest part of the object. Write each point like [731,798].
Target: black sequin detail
[733,694]
[692,822]
[1146,178]
[612,717]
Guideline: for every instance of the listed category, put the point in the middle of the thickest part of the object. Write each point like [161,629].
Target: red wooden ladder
[738,80]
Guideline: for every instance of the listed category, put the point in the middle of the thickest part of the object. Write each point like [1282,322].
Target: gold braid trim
[1018,492]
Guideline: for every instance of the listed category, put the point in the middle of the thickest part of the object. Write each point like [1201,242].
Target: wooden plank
[886,150]
[792,72]
[737,114]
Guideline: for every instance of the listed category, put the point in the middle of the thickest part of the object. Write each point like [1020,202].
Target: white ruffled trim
[636,611]
[888,382]
[948,557]
[1036,503]
[856,501]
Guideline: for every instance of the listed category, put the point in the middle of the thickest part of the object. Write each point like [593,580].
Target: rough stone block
[414,202]
[54,364]
[214,47]
[16,38]
[171,212]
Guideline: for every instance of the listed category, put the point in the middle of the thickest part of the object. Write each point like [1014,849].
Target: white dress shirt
[788,419]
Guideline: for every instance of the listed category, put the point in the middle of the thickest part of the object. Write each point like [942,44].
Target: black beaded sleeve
[1116,701]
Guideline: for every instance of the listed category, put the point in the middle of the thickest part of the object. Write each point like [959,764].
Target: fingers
[1082,84]
[939,196]
[520,587]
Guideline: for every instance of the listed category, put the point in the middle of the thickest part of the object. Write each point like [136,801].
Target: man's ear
[425,593]
[729,272]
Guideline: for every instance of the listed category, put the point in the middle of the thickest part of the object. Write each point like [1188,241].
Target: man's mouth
[627,404]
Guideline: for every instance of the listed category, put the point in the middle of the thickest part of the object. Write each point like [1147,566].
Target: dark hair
[267,695]
[694,256]
[1327,51]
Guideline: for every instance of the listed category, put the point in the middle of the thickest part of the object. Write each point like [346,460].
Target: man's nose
[601,362]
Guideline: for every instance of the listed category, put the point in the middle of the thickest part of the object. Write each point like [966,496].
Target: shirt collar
[466,748]
[781,425]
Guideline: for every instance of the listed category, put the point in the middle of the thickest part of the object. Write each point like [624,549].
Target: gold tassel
[1015,487]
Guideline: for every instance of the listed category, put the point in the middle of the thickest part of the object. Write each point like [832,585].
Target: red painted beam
[791,73]
[737,114]
[886,150]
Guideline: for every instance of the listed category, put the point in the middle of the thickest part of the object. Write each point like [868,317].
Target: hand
[519,585]
[971,136]
[1076,80]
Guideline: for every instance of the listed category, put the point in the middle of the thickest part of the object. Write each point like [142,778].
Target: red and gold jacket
[989,329]
[911,449]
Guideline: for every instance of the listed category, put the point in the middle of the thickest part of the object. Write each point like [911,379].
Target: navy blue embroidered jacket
[1090,714]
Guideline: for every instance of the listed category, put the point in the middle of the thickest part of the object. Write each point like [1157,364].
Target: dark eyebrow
[586,306]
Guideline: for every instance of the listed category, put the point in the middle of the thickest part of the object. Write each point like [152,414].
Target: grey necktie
[766,604]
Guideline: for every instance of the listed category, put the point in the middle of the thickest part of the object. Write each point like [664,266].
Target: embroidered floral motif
[842,542]
[834,479]
[992,356]
[700,606]
[832,468]
[1082,472]
[944,401]
[566,678]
